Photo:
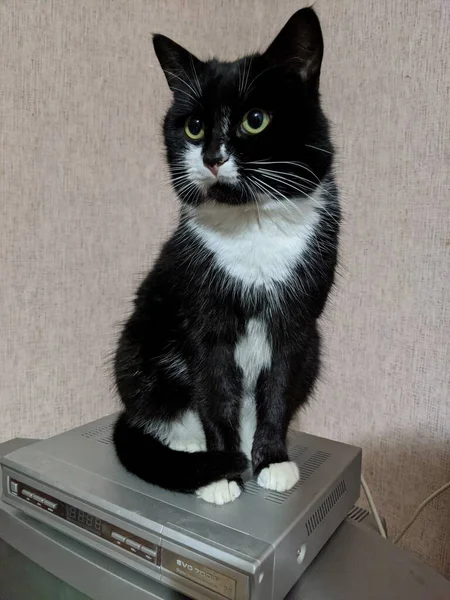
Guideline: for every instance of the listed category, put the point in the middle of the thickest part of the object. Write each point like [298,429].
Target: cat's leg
[221,435]
[270,459]
[280,392]
[219,388]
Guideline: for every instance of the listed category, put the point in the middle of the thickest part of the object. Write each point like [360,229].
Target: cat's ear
[299,45]
[177,63]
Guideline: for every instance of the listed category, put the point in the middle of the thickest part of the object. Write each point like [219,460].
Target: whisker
[250,87]
[194,97]
[285,162]
[244,87]
[263,188]
[255,200]
[185,188]
[321,206]
[172,74]
[285,181]
[197,80]
[272,188]
[240,79]
[317,148]
[283,173]
[266,212]
[299,189]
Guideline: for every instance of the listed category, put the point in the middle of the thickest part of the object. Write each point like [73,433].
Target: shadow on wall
[423,466]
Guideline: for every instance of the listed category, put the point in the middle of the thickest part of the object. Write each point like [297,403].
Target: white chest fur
[257,246]
[252,353]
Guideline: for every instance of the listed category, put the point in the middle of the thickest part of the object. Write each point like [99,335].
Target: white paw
[219,492]
[187,445]
[279,477]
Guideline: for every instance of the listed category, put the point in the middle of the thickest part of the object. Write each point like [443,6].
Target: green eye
[255,121]
[194,129]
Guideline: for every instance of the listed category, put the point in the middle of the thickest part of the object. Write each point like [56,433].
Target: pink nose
[215,168]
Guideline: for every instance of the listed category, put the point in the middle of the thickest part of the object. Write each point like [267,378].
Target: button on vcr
[148,551]
[133,544]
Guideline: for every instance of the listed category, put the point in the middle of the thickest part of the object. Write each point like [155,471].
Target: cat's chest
[257,248]
[253,352]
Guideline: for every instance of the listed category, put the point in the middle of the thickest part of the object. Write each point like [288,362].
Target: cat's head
[241,131]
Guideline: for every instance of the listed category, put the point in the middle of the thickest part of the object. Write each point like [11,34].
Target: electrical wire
[419,509]
[373,508]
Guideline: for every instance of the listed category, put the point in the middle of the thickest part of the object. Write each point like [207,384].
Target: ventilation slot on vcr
[319,515]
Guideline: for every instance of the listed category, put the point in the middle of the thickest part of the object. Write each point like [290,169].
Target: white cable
[419,509]
[373,508]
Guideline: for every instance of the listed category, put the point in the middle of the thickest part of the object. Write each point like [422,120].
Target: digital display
[84,519]
[129,542]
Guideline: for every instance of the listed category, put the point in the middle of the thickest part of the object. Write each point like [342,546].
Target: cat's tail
[154,462]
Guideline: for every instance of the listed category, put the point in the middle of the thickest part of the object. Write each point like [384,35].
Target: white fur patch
[247,424]
[219,492]
[257,245]
[279,477]
[185,434]
[252,353]
[187,445]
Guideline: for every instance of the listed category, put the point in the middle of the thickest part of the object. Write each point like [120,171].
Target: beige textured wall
[84,208]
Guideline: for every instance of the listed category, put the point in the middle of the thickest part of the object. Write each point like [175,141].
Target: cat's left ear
[177,63]
[299,46]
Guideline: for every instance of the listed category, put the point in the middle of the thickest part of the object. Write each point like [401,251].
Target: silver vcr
[255,548]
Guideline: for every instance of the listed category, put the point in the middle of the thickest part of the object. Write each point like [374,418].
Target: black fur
[189,305]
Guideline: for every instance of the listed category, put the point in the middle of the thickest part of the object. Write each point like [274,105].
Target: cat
[223,347]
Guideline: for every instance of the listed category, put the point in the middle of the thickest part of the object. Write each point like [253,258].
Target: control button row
[132,544]
[37,498]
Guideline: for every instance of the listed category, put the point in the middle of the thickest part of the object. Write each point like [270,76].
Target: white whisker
[193,90]
[284,162]
[194,97]
[302,191]
[317,148]
[197,80]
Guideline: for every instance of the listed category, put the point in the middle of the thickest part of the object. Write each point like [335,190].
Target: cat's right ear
[177,63]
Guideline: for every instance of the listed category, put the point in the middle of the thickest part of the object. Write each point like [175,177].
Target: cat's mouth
[226,194]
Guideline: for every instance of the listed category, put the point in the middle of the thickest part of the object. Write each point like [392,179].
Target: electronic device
[254,548]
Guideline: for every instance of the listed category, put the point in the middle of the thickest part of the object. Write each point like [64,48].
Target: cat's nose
[214,163]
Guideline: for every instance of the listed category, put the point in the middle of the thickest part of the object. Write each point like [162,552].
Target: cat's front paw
[279,477]
[219,492]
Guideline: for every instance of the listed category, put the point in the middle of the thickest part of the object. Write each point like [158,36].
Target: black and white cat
[223,347]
